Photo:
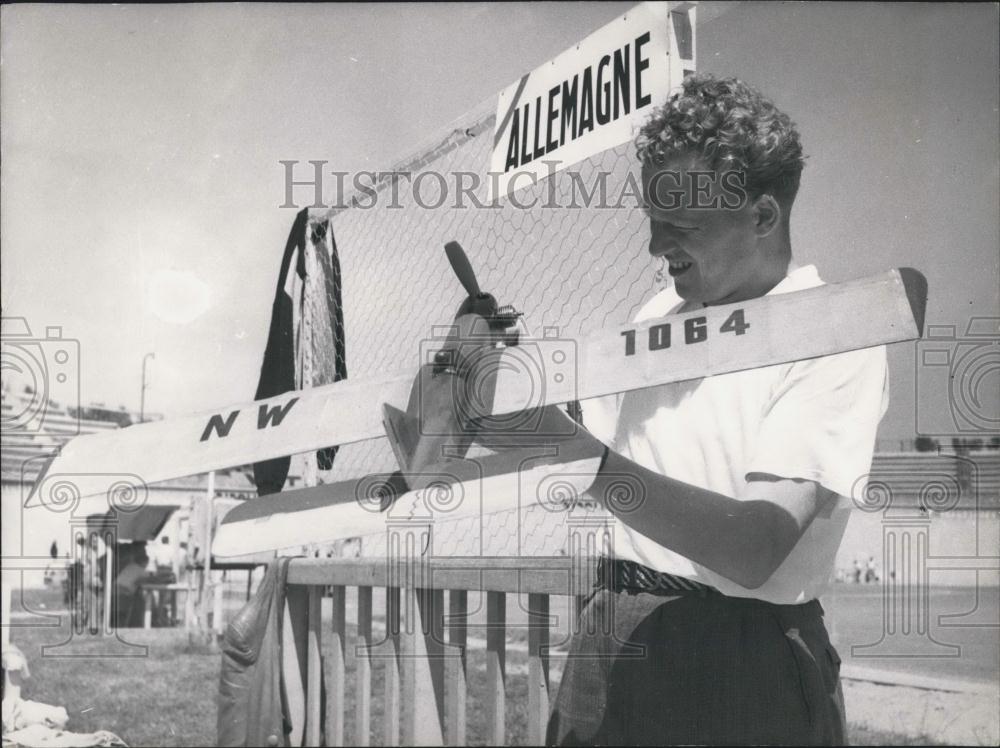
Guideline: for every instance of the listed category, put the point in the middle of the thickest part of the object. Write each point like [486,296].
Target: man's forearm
[744,541]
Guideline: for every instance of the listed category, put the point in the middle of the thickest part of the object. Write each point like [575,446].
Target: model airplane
[525,373]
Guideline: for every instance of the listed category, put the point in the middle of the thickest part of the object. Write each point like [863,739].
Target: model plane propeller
[452,396]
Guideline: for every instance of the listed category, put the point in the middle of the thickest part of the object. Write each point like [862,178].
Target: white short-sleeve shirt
[814,420]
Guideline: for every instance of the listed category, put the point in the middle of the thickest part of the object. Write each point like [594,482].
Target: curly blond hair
[728,125]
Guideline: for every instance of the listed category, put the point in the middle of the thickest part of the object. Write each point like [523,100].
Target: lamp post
[142,392]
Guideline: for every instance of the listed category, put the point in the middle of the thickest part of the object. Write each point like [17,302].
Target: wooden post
[295,660]
[363,670]
[189,603]
[218,602]
[423,668]
[205,597]
[6,590]
[209,506]
[538,667]
[314,671]
[408,674]
[335,683]
[392,635]
[496,666]
[457,683]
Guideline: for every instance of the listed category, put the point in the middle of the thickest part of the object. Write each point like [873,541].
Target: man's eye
[669,225]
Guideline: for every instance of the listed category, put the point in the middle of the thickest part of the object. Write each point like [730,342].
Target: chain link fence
[569,251]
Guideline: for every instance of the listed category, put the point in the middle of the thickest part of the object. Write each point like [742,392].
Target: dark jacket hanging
[278,372]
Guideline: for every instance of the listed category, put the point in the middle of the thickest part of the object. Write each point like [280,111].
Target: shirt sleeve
[821,421]
[600,416]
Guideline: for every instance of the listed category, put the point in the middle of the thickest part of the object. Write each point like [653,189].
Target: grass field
[168,696]
[965,647]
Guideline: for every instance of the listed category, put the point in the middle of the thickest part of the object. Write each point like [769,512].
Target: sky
[140,154]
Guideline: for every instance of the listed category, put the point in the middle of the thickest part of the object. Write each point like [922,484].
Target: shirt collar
[798,279]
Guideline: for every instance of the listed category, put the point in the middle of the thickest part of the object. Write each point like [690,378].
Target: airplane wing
[515,478]
[544,370]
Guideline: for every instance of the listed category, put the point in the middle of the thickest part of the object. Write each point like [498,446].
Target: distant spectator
[163,555]
[162,572]
[129,606]
[857,571]
[871,575]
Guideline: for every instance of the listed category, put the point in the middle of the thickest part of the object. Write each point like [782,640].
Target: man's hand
[451,406]
[448,398]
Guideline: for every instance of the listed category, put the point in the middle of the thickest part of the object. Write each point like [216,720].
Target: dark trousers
[699,668]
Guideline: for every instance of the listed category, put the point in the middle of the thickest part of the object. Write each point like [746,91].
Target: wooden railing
[423,652]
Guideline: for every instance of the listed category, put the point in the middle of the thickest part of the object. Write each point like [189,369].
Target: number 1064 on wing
[695,331]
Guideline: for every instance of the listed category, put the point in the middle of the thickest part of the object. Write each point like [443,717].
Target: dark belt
[627,576]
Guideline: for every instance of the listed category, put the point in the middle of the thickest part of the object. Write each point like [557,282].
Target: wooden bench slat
[423,667]
[363,670]
[314,668]
[426,678]
[538,667]
[335,684]
[496,666]
[457,684]
[391,648]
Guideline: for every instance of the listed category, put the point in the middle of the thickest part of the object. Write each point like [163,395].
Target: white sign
[592,97]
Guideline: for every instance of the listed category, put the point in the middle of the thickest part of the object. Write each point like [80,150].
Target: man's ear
[766,215]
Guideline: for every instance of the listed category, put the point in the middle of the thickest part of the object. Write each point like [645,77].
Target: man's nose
[660,240]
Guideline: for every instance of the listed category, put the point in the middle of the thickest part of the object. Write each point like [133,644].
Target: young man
[716,634]
[706,625]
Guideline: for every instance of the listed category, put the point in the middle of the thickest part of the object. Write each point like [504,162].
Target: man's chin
[688,288]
